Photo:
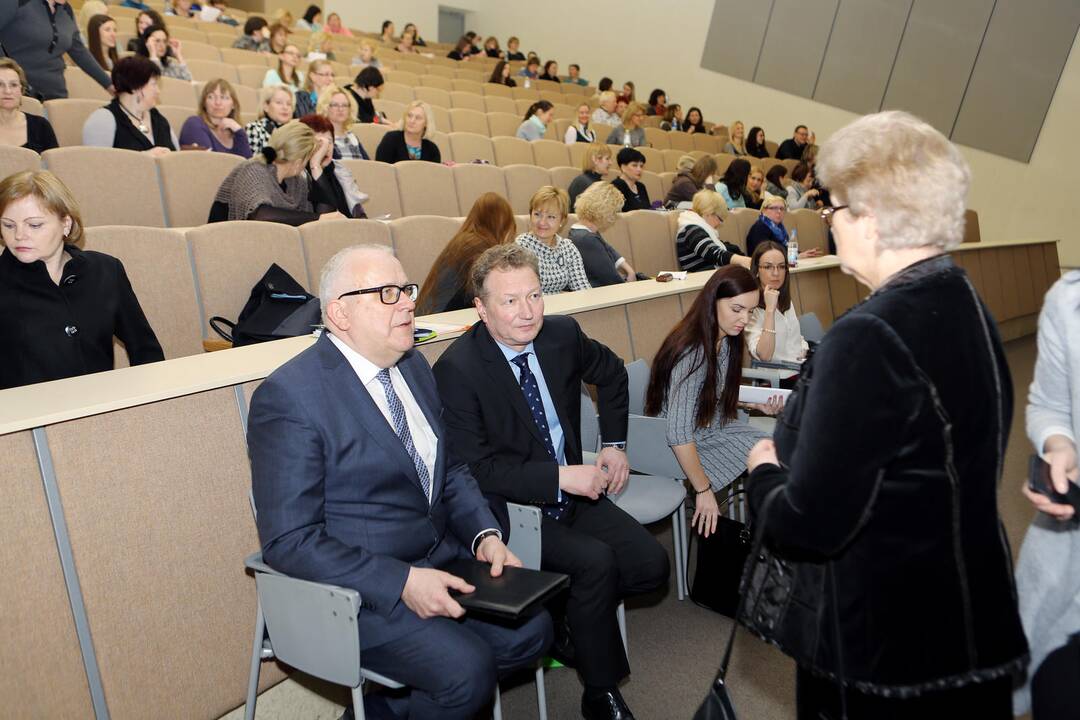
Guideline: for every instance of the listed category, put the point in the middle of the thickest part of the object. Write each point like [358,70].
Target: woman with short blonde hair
[736,144]
[410,141]
[320,75]
[561,266]
[217,126]
[630,133]
[366,56]
[597,210]
[320,44]
[595,163]
[339,107]
[273,185]
[277,103]
[697,243]
[54,327]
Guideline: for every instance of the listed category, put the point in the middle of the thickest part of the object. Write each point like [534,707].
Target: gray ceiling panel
[795,45]
[733,42]
[860,55]
[937,55]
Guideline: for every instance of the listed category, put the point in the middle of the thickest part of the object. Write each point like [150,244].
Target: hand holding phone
[1062,506]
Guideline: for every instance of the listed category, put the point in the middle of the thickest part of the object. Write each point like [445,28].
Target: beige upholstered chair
[468,100]
[17,159]
[324,238]
[426,188]
[651,242]
[465,147]
[112,187]
[522,181]
[550,153]
[419,239]
[189,182]
[470,121]
[472,181]
[379,181]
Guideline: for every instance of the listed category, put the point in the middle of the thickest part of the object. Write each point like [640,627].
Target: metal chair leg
[679,551]
[496,711]
[541,693]
[256,663]
[358,701]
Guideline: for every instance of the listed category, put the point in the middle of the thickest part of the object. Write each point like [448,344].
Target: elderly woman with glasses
[879,486]
[770,226]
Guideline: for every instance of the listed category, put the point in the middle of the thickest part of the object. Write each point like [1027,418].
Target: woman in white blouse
[773,334]
[561,266]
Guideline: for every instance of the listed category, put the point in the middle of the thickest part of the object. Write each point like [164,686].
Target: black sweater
[633,201]
[392,149]
[50,331]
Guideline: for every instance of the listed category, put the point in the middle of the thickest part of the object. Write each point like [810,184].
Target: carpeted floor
[675,646]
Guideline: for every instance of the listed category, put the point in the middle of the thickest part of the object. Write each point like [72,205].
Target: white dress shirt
[789,346]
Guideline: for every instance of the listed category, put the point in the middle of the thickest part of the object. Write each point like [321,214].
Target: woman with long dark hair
[490,223]
[101,39]
[500,74]
[536,120]
[695,385]
[733,185]
[695,122]
[773,334]
[755,143]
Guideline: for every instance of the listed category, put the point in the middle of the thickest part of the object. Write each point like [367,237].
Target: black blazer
[392,149]
[39,134]
[50,331]
[489,425]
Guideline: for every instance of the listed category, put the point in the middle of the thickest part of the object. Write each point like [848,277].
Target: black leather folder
[516,593]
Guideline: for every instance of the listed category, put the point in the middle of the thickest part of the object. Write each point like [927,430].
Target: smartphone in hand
[1039,482]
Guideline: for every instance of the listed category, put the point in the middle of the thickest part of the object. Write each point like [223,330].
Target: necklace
[139,122]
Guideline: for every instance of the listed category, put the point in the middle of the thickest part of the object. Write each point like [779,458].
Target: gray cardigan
[1048,572]
[26,32]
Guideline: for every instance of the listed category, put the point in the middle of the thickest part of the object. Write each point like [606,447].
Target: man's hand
[425,593]
[614,463]
[586,480]
[493,550]
[763,452]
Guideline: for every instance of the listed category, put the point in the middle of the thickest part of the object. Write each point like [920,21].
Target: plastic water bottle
[626,138]
[527,84]
[793,249]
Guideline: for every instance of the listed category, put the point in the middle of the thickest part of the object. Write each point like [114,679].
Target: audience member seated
[164,52]
[605,113]
[628,91]
[408,142]
[630,133]
[272,185]
[597,209]
[580,131]
[561,267]
[131,120]
[286,73]
[773,334]
[792,148]
[461,49]
[755,143]
[19,128]
[62,305]
[256,37]
[531,71]
[695,122]
[365,56]
[284,18]
[339,108]
[361,403]
[537,119]
[736,145]
[574,76]
[673,118]
[770,226]
[754,182]
[277,109]
[365,89]
[217,126]
[334,26]
[631,164]
[657,103]
[182,8]
[732,187]
[37,35]
[417,40]
[551,71]
[604,85]
[510,387]
[774,181]
[312,19]
[694,384]
[490,222]
[279,38]
[689,182]
[472,37]
[801,191]
[143,20]
[595,164]
[320,47]
[405,45]
[500,74]
[386,35]
[101,40]
[513,53]
[697,244]
[335,182]
[491,48]
[320,75]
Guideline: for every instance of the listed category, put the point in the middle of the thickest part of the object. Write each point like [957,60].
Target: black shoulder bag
[279,307]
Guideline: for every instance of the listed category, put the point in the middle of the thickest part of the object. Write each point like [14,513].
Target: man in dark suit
[792,148]
[353,487]
[511,391]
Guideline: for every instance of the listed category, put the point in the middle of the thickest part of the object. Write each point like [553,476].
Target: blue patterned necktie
[401,427]
[531,389]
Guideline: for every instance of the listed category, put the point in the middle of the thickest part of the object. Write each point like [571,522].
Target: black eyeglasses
[830,210]
[389,294]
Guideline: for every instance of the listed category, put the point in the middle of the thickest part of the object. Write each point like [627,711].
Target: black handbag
[279,307]
[721,558]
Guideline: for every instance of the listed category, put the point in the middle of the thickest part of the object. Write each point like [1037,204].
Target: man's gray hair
[330,279]
[509,256]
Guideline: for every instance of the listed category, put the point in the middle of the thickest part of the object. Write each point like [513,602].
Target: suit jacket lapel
[505,379]
[548,355]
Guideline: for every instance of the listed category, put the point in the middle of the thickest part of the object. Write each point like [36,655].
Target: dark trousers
[451,666]
[1055,687]
[608,555]
[819,699]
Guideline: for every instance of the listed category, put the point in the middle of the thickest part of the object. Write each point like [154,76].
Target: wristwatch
[480,538]
[616,445]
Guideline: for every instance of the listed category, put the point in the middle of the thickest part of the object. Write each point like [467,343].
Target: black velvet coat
[50,331]
[891,451]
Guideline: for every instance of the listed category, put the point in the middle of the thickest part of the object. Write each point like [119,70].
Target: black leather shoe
[562,647]
[608,705]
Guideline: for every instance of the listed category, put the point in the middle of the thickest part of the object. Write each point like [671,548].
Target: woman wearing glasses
[286,72]
[770,226]
[340,109]
[320,75]
[882,476]
[773,334]
[561,266]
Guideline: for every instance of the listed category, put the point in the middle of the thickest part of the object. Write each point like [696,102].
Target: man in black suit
[792,148]
[511,391]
